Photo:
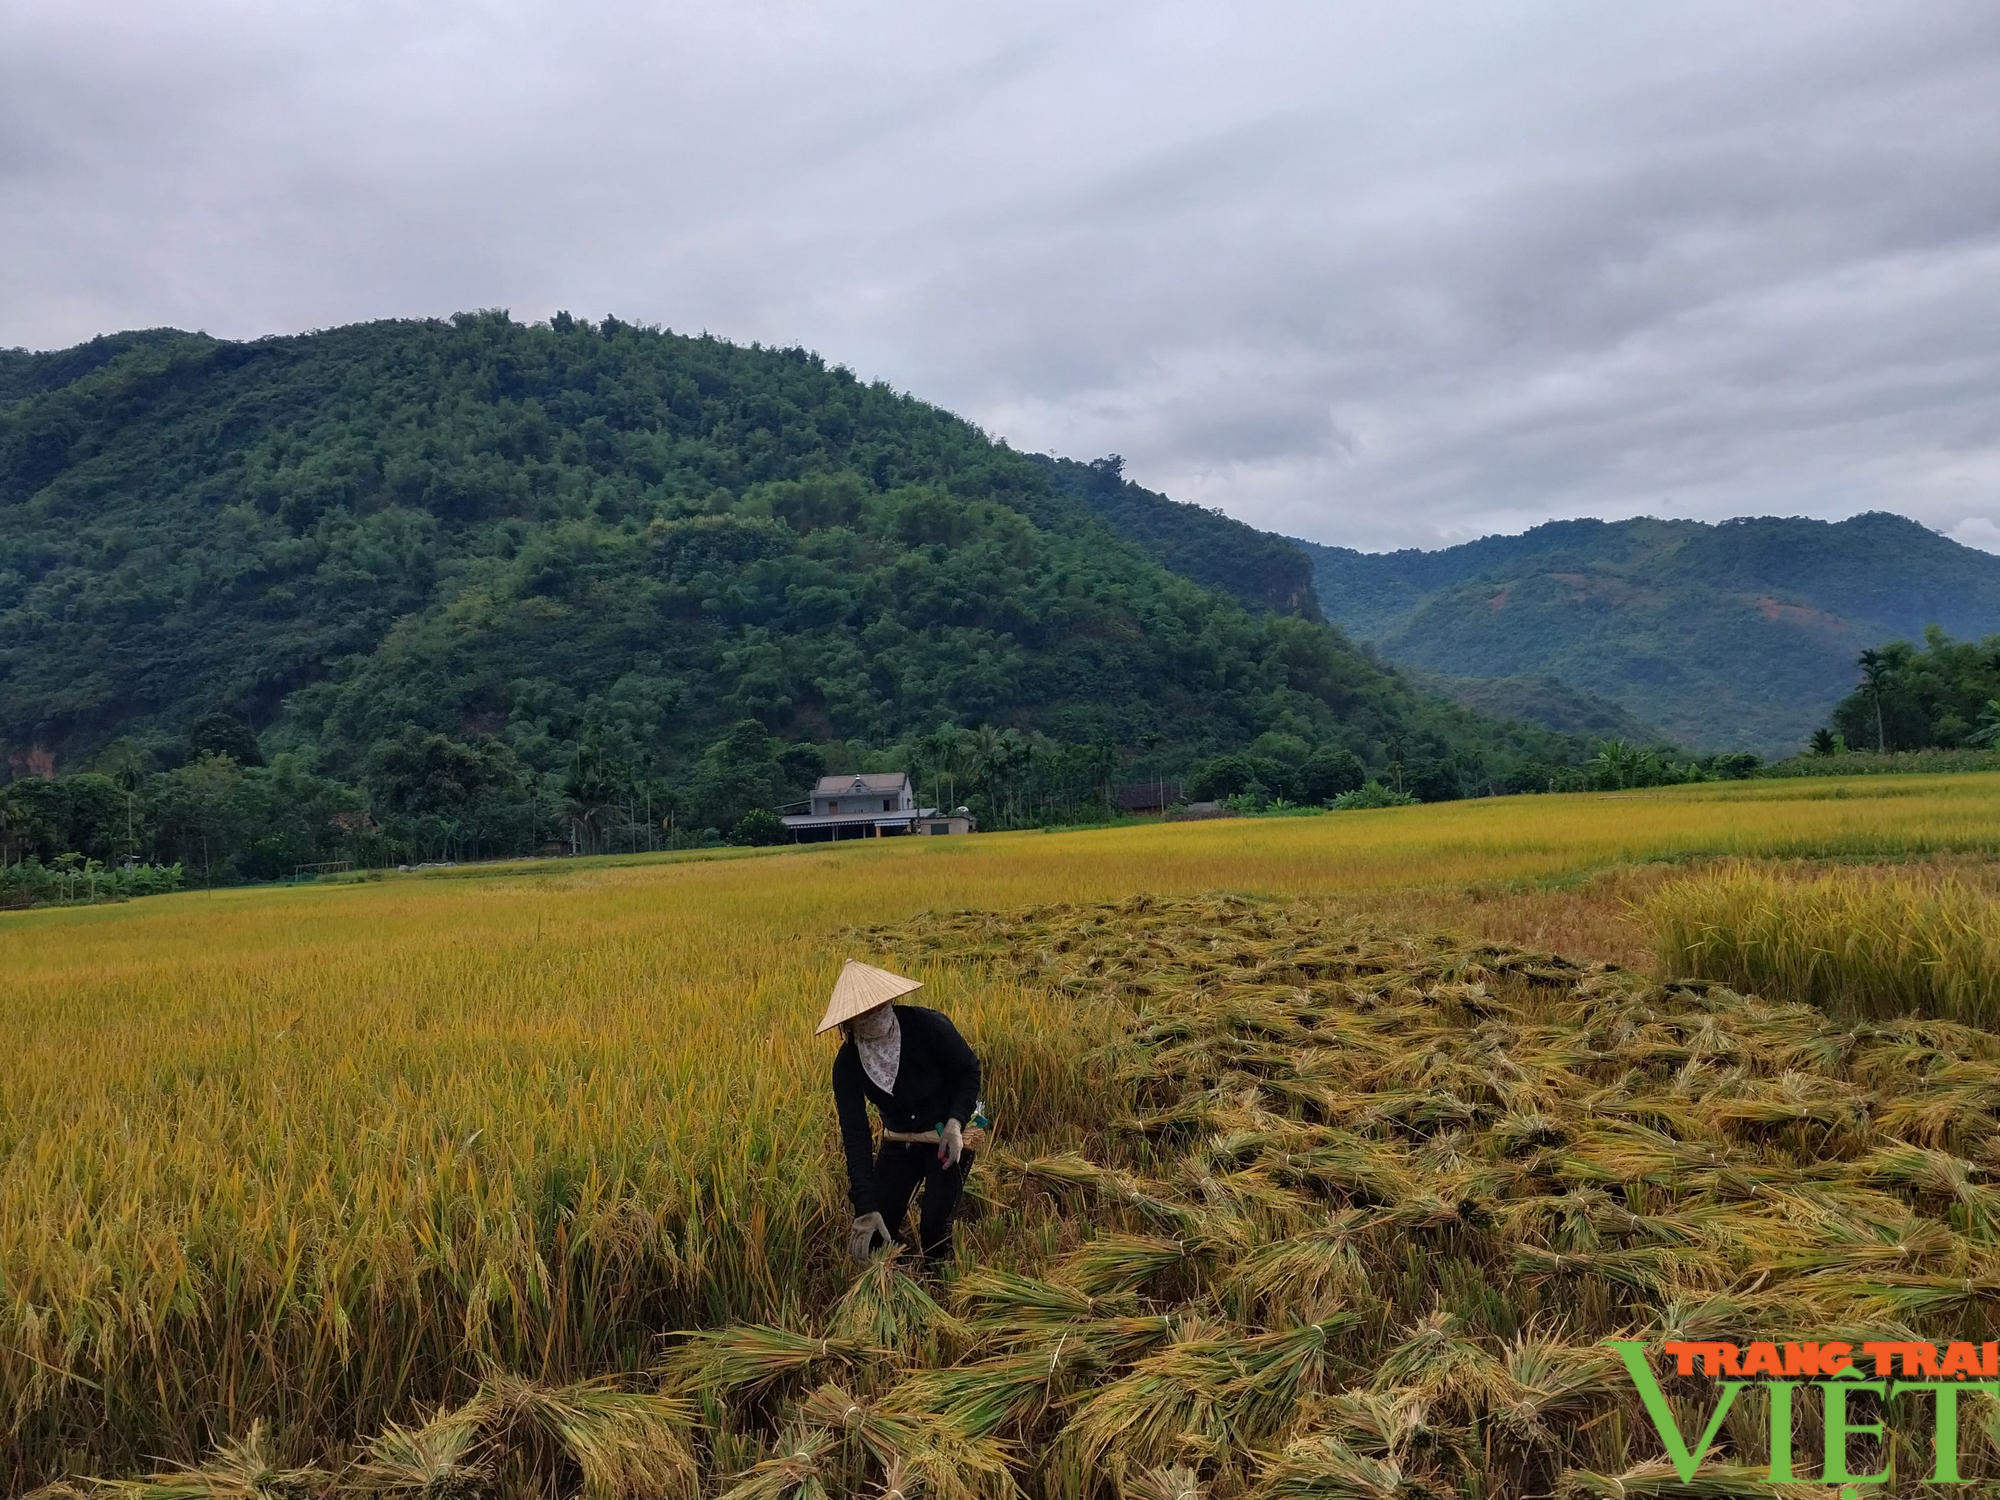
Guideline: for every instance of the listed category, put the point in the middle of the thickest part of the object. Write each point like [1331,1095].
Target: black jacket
[937,1079]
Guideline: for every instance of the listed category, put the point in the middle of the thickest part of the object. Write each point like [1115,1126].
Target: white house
[869,804]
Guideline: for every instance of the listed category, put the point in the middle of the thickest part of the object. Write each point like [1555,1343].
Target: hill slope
[1540,700]
[1742,634]
[1259,570]
[607,535]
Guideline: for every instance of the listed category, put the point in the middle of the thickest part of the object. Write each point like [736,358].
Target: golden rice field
[1874,945]
[324,1158]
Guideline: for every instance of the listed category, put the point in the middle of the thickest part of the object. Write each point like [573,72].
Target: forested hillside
[1257,569]
[1540,700]
[504,577]
[1739,635]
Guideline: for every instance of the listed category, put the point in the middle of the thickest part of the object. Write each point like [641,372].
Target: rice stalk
[245,1469]
[800,1469]
[442,1459]
[1659,1481]
[744,1359]
[1323,1468]
[927,1453]
[624,1444]
[1878,946]
[886,1308]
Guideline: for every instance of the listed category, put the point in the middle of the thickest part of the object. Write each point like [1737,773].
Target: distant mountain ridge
[1738,634]
[1540,700]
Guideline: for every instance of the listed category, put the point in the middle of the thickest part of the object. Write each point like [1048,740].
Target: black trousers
[899,1167]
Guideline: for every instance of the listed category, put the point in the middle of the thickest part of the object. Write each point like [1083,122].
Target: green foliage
[212,817]
[1008,779]
[1330,771]
[224,734]
[86,814]
[1260,571]
[1944,695]
[1741,635]
[741,773]
[73,880]
[1896,763]
[1251,782]
[1541,700]
[1371,794]
[417,773]
[758,826]
[1230,776]
[476,526]
[489,588]
[1620,766]
[1986,732]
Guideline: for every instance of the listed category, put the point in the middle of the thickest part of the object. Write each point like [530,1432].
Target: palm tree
[984,752]
[122,764]
[1877,670]
[591,784]
[945,754]
[1987,732]
[1624,765]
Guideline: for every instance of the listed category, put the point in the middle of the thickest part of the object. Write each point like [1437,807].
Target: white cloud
[1982,532]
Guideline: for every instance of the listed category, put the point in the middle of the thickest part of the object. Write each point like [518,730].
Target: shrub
[1372,794]
[1220,777]
[1895,763]
[73,880]
[758,826]
[1330,772]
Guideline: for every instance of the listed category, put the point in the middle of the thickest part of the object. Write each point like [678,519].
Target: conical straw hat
[860,988]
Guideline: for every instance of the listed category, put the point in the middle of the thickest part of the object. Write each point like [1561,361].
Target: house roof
[1140,795]
[862,783]
[828,820]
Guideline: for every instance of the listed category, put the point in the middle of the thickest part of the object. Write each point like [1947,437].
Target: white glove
[868,1230]
[951,1142]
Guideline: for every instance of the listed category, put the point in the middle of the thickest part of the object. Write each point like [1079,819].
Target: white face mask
[875,1024]
[879,1039]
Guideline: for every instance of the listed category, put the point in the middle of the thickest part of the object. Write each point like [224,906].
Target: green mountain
[1540,700]
[1738,635]
[608,544]
[1258,570]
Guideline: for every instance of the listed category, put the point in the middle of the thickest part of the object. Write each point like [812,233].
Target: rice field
[294,1169]
[1859,945]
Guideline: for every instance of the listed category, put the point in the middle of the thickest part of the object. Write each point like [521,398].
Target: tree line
[1280,770]
[1944,695]
[226,813]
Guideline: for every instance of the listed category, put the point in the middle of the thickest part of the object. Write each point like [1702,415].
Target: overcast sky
[1375,274]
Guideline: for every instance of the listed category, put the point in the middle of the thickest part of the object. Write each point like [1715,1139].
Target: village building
[1146,796]
[869,804]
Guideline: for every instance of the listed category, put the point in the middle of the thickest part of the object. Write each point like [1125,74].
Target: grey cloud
[1383,274]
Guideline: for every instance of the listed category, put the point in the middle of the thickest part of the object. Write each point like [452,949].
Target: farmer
[924,1081]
